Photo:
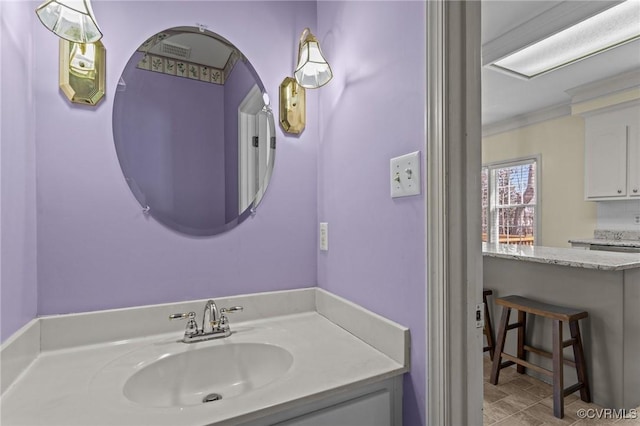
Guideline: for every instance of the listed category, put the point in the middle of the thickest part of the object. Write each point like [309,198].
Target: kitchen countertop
[577,258]
[606,242]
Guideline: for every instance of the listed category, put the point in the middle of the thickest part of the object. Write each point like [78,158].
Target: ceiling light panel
[613,27]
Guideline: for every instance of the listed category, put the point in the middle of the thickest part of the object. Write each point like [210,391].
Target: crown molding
[619,90]
[528,119]
[605,87]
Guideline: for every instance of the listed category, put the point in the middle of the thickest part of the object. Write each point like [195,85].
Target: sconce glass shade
[71,20]
[312,71]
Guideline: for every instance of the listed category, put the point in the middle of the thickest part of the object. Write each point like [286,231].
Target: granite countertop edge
[606,242]
[577,258]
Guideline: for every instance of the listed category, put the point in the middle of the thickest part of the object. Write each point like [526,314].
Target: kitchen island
[605,284]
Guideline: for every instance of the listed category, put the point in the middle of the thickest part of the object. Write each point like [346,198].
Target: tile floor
[521,400]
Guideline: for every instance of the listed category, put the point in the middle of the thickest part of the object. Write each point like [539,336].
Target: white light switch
[324,236]
[405,175]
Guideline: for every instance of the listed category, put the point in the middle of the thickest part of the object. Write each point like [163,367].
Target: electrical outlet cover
[324,236]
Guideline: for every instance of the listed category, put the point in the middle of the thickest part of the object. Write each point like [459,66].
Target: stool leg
[502,336]
[578,352]
[488,329]
[522,319]
[558,376]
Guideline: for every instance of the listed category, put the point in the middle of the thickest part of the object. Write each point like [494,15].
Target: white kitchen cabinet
[612,154]
[633,135]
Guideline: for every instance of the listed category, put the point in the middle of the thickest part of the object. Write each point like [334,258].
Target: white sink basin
[186,378]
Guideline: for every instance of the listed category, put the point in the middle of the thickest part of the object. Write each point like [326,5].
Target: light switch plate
[405,175]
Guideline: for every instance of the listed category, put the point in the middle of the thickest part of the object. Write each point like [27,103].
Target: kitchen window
[510,202]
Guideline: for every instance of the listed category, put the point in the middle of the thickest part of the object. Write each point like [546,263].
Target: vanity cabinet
[375,404]
[612,154]
[371,410]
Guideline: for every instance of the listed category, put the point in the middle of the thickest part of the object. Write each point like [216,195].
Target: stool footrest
[527,364]
[546,354]
[506,364]
[574,388]
[514,325]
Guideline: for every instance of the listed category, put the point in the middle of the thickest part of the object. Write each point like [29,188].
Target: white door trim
[248,111]
[438,400]
[454,258]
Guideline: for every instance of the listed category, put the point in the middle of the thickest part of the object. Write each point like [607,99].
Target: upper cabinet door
[612,154]
[633,135]
[605,158]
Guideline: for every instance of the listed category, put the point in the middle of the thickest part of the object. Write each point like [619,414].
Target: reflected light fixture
[71,20]
[312,71]
[613,27]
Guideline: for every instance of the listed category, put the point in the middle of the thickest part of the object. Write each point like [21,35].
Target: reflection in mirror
[193,131]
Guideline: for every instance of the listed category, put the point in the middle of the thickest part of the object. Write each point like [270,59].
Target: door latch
[480,315]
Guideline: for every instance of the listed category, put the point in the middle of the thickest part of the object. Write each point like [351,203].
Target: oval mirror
[193,131]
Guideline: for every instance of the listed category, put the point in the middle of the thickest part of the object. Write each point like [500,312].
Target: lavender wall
[96,249]
[18,281]
[373,110]
[170,143]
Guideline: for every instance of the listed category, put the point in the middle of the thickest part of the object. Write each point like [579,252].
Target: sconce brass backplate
[292,106]
[87,90]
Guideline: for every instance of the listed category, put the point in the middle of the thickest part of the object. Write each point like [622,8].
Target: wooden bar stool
[488,329]
[558,314]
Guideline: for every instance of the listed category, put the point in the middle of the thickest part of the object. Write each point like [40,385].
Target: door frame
[452,240]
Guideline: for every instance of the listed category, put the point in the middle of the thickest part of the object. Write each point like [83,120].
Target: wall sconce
[82,56]
[82,71]
[312,72]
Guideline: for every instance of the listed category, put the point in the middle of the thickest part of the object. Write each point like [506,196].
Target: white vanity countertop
[578,258]
[82,385]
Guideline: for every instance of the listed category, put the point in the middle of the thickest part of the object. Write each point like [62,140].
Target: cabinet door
[605,159]
[368,410]
[633,133]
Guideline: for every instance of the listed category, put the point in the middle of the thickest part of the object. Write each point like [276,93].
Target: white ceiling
[504,96]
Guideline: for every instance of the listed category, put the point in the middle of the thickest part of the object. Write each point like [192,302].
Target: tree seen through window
[509,203]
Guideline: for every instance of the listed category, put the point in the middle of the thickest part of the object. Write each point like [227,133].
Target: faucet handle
[190,315]
[192,326]
[223,317]
[232,309]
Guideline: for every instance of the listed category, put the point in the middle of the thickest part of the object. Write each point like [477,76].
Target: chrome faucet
[212,308]
[218,323]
